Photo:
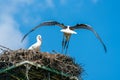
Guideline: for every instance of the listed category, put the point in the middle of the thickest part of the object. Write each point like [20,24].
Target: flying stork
[67,32]
[36,46]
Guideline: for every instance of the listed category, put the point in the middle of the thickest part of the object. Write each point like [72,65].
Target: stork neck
[68,27]
[38,40]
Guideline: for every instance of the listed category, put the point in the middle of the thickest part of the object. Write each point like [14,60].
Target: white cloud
[10,34]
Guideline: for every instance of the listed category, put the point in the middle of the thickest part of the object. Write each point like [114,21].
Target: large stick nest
[59,62]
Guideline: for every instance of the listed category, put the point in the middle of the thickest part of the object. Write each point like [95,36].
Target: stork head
[38,38]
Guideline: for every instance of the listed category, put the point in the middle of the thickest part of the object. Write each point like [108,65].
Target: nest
[58,62]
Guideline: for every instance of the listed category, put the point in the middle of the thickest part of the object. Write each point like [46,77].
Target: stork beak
[39,38]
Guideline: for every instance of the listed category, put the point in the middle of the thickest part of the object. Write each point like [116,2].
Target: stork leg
[67,45]
[63,43]
[66,42]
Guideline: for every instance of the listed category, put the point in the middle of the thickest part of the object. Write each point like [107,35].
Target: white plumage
[68,30]
[36,46]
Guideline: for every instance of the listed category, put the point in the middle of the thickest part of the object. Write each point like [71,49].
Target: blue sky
[17,17]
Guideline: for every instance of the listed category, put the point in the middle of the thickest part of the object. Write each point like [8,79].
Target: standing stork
[36,46]
[67,32]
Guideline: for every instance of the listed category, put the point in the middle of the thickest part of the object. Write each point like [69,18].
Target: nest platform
[30,65]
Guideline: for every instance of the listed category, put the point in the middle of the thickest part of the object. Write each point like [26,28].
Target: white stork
[68,31]
[36,46]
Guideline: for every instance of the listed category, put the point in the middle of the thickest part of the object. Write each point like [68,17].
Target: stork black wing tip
[105,48]
[22,40]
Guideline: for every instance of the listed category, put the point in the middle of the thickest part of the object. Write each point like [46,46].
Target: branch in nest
[5,48]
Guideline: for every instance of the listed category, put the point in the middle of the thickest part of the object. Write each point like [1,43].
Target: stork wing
[48,23]
[84,26]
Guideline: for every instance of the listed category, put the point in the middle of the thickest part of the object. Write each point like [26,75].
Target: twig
[6,48]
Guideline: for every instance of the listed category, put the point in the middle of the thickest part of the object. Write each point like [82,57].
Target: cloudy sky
[17,17]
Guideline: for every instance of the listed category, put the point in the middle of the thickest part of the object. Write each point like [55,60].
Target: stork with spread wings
[67,32]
